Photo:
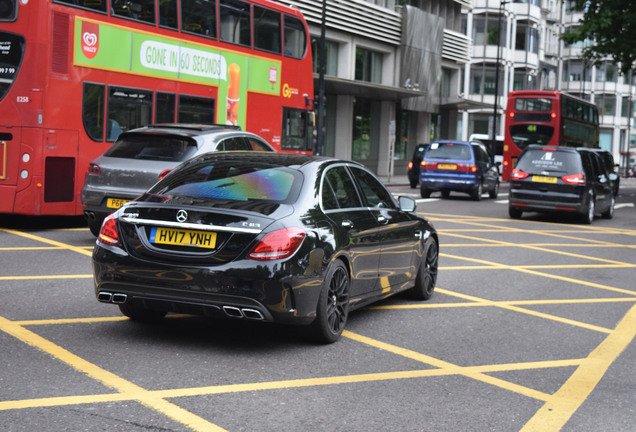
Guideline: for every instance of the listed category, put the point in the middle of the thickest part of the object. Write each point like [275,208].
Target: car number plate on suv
[543,179]
[115,202]
[446,166]
[179,237]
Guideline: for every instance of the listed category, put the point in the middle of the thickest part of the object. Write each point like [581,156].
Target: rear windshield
[449,151]
[554,162]
[152,147]
[230,180]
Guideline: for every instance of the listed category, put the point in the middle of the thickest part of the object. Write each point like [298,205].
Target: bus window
[235,22]
[12,50]
[295,38]
[195,110]
[267,30]
[297,130]
[165,107]
[93,110]
[199,16]
[168,14]
[98,5]
[142,10]
[127,109]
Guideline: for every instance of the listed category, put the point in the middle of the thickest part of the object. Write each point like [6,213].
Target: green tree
[611,26]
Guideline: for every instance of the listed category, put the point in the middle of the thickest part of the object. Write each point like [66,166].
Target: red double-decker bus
[548,118]
[74,74]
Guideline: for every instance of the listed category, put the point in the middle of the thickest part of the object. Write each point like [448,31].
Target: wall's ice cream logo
[90,39]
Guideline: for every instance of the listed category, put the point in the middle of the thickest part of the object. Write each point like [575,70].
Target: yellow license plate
[447,166]
[542,179]
[115,202]
[179,237]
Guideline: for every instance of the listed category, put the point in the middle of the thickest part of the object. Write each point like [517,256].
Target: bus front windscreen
[11,53]
[525,134]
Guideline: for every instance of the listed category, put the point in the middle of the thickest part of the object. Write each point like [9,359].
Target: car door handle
[347,224]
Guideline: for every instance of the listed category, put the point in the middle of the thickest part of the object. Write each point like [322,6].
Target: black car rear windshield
[231,181]
[448,151]
[152,147]
[536,161]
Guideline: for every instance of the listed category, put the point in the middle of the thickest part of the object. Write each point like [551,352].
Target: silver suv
[140,157]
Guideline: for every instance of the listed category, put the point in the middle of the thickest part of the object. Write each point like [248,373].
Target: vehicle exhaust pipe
[232,311]
[119,298]
[105,297]
[252,314]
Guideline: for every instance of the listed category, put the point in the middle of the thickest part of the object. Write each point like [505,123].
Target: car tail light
[410,165]
[164,173]
[108,233]
[278,244]
[466,167]
[428,165]
[575,179]
[518,175]
[94,169]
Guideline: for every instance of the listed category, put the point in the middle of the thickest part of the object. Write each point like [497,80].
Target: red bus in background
[549,118]
[74,74]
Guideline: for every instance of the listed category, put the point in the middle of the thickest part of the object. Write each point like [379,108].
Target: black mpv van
[560,179]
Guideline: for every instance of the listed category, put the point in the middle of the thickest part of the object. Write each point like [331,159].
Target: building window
[331,54]
[606,104]
[527,38]
[368,65]
[482,79]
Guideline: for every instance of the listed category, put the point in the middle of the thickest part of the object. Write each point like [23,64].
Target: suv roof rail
[194,126]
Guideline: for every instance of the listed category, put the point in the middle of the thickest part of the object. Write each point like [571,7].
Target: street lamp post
[495,107]
[321,82]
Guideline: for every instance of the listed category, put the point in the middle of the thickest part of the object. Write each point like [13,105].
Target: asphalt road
[531,328]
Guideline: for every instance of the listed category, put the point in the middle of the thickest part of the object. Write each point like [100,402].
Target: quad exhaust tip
[117,298]
[234,312]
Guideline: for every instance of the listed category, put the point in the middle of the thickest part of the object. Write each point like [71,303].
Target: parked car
[414,166]
[296,239]
[458,166]
[560,179]
[137,159]
[612,169]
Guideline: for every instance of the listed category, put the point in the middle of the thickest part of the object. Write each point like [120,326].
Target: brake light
[94,169]
[410,165]
[164,173]
[575,179]
[108,233]
[278,244]
[466,167]
[518,175]
[428,165]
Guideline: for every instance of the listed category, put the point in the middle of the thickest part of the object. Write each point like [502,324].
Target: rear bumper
[450,182]
[272,292]
[541,201]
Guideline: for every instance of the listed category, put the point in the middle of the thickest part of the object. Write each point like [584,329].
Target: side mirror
[407,204]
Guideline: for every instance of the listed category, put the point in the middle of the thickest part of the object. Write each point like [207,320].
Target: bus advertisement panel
[547,118]
[74,74]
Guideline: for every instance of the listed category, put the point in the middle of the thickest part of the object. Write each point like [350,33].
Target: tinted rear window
[152,147]
[556,162]
[449,151]
[230,180]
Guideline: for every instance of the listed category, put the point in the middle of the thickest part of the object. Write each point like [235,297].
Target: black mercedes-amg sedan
[264,236]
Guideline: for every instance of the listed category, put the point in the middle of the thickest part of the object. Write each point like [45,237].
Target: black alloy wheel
[333,305]
[427,273]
